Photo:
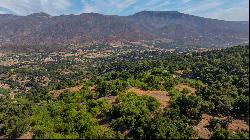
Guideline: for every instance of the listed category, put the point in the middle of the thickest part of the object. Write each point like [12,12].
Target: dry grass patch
[110,99]
[238,125]
[202,131]
[8,62]
[93,88]
[4,86]
[2,54]
[181,87]
[27,135]
[161,96]
[56,93]
[178,73]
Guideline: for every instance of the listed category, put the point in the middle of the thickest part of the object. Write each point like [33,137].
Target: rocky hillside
[167,26]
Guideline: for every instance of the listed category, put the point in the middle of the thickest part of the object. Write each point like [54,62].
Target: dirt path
[161,96]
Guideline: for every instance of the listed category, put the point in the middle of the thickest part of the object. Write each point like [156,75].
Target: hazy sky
[219,9]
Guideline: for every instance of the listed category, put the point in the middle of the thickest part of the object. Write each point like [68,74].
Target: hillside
[166,26]
[161,95]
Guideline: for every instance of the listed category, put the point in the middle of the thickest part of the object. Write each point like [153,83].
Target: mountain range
[166,26]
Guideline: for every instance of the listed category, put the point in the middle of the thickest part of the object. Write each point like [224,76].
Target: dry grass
[178,73]
[93,88]
[27,135]
[161,96]
[56,93]
[8,62]
[110,99]
[202,131]
[238,125]
[97,54]
[2,54]
[181,87]
[4,86]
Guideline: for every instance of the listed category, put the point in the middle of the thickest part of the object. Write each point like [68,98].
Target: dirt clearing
[27,135]
[202,131]
[161,96]
[56,93]
[181,87]
[238,125]
[110,99]
[4,86]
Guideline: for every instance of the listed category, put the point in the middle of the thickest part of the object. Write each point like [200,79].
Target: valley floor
[134,94]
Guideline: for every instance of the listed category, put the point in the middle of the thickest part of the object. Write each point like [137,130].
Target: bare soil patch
[201,129]
[110,99]
[8,62]
[56,93]
[27,135]
[238,125]
[204,133]
[4,86]
[93,88]
[178,73]
[181,87]
[161,96]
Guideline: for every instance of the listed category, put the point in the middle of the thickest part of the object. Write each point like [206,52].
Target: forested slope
[213,83]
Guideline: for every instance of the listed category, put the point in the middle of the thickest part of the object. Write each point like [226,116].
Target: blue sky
[233,10]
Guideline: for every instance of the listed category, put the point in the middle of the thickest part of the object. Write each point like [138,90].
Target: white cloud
[231,14]
[106,6]
[25,7]
[89,9]
[203,8]
[125,3]
[221,9]
[3,12]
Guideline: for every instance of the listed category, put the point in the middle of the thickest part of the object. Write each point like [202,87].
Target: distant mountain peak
[159,12]
[156,13]
[7,15]
[40,14]
[169,26]
[92,14]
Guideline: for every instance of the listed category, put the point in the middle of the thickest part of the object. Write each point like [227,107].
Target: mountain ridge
[44,29]
[145,11]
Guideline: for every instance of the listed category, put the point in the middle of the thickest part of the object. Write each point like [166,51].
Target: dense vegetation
[220,77]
